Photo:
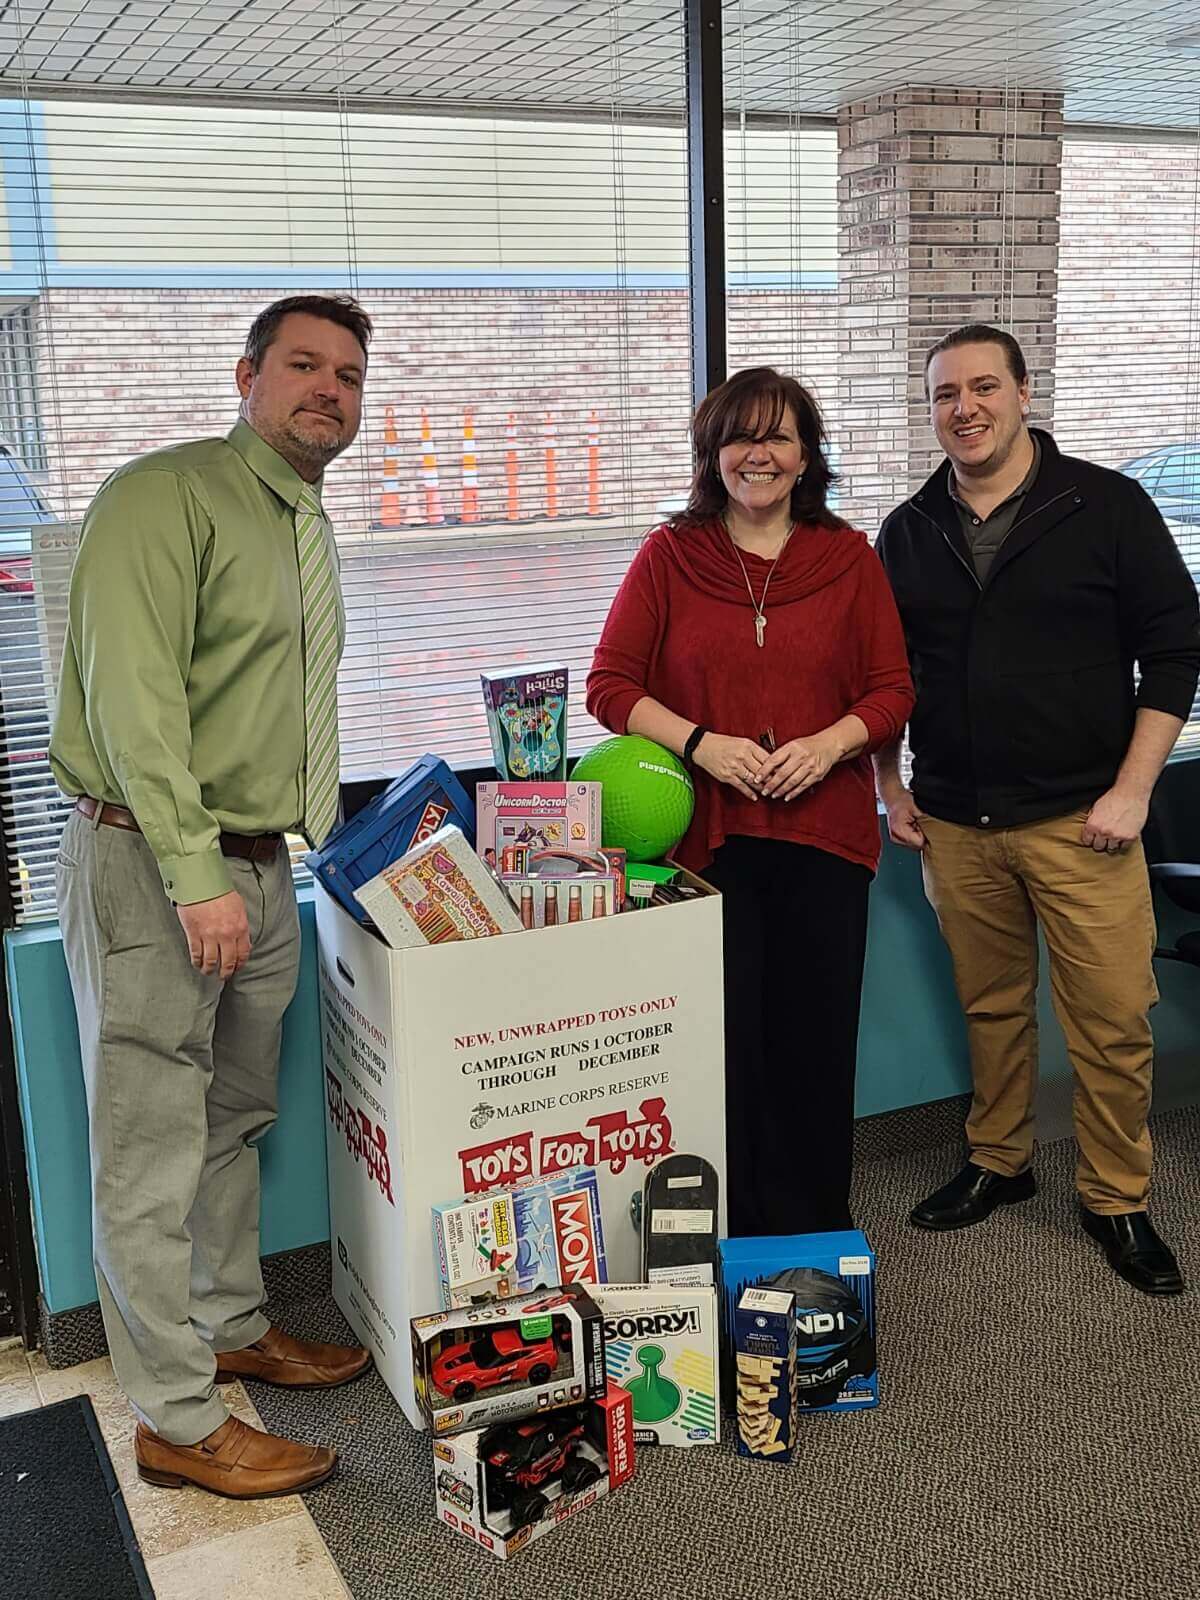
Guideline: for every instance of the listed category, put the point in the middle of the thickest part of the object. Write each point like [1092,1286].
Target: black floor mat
[64,1529]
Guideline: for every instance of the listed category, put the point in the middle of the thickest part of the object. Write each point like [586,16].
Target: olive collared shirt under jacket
[182,685]
[985,535]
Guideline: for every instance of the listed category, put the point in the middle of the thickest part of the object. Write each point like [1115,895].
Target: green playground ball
[647,795]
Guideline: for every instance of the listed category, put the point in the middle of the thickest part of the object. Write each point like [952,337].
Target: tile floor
[196,1546]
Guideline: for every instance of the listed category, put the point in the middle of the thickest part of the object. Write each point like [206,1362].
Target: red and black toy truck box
[493,1363]
[505,1486]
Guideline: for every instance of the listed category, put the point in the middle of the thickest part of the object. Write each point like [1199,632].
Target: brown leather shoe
[236,1461]
[293,1363]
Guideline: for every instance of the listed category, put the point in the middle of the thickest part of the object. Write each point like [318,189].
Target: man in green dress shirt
[196,724]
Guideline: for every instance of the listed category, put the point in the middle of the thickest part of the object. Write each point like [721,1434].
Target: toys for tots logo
[613,1140]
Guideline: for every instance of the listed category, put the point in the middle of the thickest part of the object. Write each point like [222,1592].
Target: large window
[781,182]
[1129,322]
[781,245]
[529,386]
[505,187]
[20,407]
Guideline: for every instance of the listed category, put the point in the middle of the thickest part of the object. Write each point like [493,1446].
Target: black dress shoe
[970,1197]
[1134,1250]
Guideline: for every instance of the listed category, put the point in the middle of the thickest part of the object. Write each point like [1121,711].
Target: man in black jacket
[1029,584]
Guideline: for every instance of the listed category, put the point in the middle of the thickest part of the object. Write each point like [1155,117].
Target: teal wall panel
[295,1195]
[913,1049]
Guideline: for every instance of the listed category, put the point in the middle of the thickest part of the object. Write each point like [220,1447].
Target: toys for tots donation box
[454,1069]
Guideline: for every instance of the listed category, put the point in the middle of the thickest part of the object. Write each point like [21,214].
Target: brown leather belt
[246,846]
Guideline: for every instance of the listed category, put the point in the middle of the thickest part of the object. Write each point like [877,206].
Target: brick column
[948,203]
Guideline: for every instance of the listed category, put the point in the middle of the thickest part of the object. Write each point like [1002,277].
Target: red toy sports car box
[504,1486]
[489,1363]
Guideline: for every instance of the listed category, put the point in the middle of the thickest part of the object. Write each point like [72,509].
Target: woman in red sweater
[756,636]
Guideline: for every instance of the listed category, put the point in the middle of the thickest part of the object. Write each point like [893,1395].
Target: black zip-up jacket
[1025,683]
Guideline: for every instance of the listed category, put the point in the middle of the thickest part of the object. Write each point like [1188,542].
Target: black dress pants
[795,930]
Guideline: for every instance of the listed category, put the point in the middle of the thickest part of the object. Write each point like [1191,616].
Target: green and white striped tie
[322,650]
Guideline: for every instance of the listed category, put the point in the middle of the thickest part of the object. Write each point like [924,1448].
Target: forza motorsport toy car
[499,1355]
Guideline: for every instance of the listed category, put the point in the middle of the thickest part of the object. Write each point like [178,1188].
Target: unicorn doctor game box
[514,822]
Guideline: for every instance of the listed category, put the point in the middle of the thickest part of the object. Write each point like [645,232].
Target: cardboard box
[764,1339]
[483,1364]
[506,1487]
[439,893]
[521,1239]
[459,1068]
[660,1343]
[832,1276]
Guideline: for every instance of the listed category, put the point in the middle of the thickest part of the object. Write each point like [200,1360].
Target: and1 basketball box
[660,1344]
[412,809]
[527,719]
[517,1240]
[832,1276]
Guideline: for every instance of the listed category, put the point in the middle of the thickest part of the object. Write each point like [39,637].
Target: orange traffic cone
[593,470]
[429,473]
[389,500]
[470,470]
[512,482]
[551,466]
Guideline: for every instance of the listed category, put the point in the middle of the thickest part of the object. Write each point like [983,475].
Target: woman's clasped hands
[778,775]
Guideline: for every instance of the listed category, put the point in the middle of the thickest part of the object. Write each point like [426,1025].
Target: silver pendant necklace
[760,615]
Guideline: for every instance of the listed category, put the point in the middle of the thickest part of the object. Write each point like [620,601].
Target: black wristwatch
[689,749]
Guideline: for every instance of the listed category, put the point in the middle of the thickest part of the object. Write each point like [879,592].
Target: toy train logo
[365,1140]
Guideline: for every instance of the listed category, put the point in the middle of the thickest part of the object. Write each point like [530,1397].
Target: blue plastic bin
[425,798]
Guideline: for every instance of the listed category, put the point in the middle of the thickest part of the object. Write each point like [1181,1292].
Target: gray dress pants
[181,1073]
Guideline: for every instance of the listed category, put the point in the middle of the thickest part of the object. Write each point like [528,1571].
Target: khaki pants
[990,891]
[181,1072]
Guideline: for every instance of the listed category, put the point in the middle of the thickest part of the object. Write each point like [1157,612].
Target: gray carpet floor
[1038,1438]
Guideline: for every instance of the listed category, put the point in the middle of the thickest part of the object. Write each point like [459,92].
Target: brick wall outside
[123,371]
[1128,299]
[130,371]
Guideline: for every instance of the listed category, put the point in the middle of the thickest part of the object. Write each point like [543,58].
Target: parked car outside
[1170,475]
[21,510]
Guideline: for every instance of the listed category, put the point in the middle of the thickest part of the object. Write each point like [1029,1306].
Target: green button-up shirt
[182,685]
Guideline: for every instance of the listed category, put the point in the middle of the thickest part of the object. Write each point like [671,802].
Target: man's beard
[320,449]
